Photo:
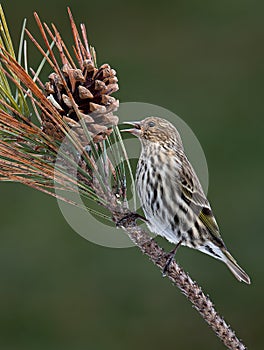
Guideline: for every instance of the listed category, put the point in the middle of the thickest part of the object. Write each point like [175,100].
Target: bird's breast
[158,191]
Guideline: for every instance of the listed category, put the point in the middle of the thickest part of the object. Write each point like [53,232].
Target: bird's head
[158,130]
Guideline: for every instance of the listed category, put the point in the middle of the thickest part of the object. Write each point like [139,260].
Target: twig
[183,281]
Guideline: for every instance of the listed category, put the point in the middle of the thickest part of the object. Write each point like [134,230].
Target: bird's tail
[233,266]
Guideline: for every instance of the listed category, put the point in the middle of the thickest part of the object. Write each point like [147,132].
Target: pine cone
[92,104]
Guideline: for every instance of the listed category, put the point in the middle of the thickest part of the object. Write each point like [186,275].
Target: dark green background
[203,60]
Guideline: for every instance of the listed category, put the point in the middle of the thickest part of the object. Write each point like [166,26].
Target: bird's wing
[192,193]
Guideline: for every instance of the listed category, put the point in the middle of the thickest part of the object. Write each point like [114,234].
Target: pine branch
[183,281]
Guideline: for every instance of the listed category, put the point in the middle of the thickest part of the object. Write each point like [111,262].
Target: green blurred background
[204,61]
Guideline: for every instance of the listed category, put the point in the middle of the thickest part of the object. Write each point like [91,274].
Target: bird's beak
[136,130]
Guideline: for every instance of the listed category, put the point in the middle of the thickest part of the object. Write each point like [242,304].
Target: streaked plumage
[171,195]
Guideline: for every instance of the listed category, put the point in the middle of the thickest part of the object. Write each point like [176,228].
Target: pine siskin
[171,195]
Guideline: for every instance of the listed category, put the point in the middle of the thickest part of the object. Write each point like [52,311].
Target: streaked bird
[172,197]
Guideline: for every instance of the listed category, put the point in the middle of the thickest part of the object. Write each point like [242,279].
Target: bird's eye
[151,124]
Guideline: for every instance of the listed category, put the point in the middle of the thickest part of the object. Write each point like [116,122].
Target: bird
[171,196]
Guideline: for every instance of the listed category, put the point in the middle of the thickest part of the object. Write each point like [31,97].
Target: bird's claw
[170,257]
[130,219]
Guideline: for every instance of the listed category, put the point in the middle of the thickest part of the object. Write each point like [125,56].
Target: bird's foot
[130,219]
[169,258]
